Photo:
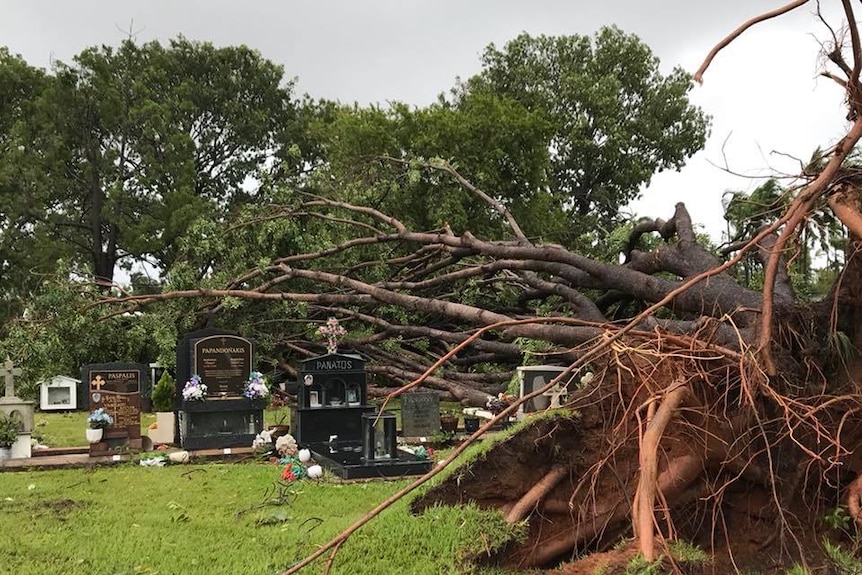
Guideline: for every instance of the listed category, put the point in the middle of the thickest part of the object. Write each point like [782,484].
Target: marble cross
[9,372]
[555,393]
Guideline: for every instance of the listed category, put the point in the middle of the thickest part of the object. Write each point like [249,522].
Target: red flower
[288,474]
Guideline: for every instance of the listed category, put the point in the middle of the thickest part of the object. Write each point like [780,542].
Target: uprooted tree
[714,408]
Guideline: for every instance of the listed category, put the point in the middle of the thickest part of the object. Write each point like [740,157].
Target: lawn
[219,518]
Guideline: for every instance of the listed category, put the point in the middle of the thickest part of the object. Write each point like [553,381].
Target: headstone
[533,377]
[331,398]
[345,434]
[223,360]
[16,408]
[116,387]
[420,414]
[60,393]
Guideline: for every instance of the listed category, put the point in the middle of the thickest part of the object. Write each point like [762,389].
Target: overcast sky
[762,92]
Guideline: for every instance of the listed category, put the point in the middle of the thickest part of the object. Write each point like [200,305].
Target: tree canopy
[124,148]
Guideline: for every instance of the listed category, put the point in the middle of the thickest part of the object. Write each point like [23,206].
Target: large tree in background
[25,255]
[125,147]
[563,131]
[616,119]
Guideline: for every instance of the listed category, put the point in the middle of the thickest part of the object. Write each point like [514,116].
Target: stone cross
[98,382]
[8,372]
[554,393]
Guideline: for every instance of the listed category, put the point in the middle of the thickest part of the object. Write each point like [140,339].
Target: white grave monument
[17,408]
[60,393]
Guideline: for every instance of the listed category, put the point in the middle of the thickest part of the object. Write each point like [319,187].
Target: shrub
[163,394]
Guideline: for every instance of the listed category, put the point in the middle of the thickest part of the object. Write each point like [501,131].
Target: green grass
[191,519]
[209,519]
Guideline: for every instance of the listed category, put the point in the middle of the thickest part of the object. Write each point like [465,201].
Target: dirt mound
[749,496]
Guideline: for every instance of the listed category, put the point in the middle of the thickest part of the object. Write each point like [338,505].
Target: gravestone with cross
[116,388]
[223,361]
[17,409]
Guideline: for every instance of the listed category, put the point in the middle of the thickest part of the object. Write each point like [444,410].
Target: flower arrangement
[497,404]
[194,389]
[333,332]
[99,419]
[257,387]
[297,462]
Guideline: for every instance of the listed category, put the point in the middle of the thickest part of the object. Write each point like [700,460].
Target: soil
[732,518]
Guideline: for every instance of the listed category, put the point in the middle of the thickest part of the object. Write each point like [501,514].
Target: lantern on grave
[378,437]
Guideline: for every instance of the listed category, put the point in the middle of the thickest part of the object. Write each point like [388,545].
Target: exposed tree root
[854,500]
[644,518]
[672,483]
[530,499]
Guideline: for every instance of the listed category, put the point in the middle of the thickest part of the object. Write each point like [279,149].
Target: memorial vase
[94,435]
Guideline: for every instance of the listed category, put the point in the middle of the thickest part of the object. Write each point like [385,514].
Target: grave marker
[420,414]
[16,408]
[116,387]
[223,360]
[9,372]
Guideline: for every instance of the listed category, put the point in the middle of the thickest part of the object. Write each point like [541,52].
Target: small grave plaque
[223,362]
[420,414]
[116,387]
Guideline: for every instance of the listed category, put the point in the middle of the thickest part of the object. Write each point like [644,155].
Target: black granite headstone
[223,360]
[331,398]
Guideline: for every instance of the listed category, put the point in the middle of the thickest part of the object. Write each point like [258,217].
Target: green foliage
[844,561]
[614,118]
[640,566]
[561,130]
[134,143]
[8,430]
[60,333]
[534,350]
[837,519]
[685,552]
[163,393]
[746,214]
[840,347]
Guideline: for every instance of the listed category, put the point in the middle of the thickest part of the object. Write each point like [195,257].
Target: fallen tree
[715,410]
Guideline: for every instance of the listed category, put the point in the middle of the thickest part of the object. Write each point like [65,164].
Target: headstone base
[115,445]
[345,460]
[22,447]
